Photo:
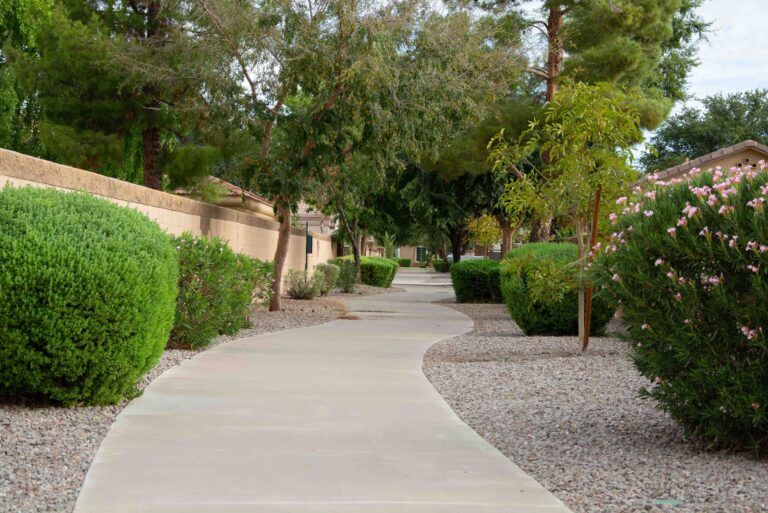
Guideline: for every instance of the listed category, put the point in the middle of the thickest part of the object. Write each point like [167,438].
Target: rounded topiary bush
[477,281]
[374,271]
[330,274]
[539,283]
[689,264]
[87,293]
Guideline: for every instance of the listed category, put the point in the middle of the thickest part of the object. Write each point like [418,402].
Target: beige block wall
[735,159]
[245,233]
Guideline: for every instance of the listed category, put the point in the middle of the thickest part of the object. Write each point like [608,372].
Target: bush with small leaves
[299,286]
[330,274]
[374,271]
[347,276]
[441,266]
[87,295]
[404,262]
[688,262]
[477,281]
[539,283]
[216,289]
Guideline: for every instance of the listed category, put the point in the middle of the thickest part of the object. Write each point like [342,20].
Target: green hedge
[216,289]
[539,283]
[404,262]
[441,266]
[690,268]
[374,271]
[87,293]
[477,281]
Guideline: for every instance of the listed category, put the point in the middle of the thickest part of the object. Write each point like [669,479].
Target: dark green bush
[374,271]
[539,283]
[330,277]
[87,292]
[216,289]
[404,262]
[441,266]
[690,269]
[347,275]
[477,281]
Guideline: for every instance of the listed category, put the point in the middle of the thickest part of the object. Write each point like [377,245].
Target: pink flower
[682,221]
[650,195]
[645,326]
[748,332]
[687,321]
[647,213]
[678,297]
[616,278]
[704,232]
[726,209]
[621,200]
[751,246]
[671,275]
[753,268]
[613,217]
[732,243]
[712,201]
[659,261]
[672,231]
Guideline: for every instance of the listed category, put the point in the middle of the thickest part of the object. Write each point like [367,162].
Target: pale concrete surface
[418,276]
[333,418]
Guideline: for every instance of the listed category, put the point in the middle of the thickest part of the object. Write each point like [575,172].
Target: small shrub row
[404,262]
[539,283]
[477,281]
[330,277]
[441,266]
[216,289]
[374,271]
[299,286]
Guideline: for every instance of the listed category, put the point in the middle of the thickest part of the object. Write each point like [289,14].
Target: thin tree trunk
[455,235]
[506,233]
[281,252]
[153,176]
[352,238]
[555,50]
[580,242]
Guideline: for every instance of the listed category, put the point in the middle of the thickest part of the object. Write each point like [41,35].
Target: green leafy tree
[589,132]
[722,120]
[484,231]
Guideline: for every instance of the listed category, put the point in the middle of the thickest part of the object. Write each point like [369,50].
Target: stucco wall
[245,232]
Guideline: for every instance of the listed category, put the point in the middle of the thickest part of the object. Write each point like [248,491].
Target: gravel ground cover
[45,450]
[362,289]
[576,424]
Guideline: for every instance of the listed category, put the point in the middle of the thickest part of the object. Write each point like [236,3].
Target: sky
[736,56]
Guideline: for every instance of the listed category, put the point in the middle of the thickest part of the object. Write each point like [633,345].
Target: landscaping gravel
[45,450]
[576,424]
[365,290]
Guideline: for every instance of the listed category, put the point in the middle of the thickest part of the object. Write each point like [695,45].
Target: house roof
[701,162]
[234,190]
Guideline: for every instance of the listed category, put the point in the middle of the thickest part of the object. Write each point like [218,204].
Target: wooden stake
[592,241]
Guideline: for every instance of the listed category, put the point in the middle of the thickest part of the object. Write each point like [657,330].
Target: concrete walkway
[333,418]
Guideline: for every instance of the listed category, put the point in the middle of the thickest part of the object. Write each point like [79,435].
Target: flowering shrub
[688,262]
[540,284]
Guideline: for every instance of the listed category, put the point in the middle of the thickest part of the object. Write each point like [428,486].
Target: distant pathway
[326,419]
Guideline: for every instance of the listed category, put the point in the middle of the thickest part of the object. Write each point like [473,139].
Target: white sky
[736,56]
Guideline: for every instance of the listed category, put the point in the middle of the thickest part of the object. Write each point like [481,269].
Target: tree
[589,131]
[723,120]
[484,231]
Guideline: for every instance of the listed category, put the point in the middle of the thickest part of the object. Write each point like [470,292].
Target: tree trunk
[456,236]
[506,233]
[555,51]
[281,252]
[540,230]
[153,176]
[582,253]
[352,237]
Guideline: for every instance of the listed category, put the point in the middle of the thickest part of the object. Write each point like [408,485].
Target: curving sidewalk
[332,418]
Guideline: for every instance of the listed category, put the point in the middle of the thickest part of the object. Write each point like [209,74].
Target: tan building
[236,198]
[744,154]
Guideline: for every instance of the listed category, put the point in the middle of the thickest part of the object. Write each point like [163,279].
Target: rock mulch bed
[45,450]
[576,424]
[365,290]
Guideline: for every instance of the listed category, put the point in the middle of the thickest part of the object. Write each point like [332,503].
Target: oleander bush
[477,281]
[87,295]
[404,262]
[330,273]
[539,283]
[299,286]
[689,264]
[374,271]
[347,275]
[441,266]
[216,290]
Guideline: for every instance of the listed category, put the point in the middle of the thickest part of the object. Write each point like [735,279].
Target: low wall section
[245,232]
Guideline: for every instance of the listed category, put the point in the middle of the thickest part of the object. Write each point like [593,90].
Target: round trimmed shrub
[477,281]
[689,265]
[374,271]
[404,262]
[539,283]
[441,266]
[330,275]
[87,293]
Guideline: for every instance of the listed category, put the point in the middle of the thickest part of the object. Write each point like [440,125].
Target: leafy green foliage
[347,275]
[688,263]
[477,281]
[441,266]
[404,262]
[87,293]
[330,274]
[722,121]
[216,289]
[374,271]
[540,283]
